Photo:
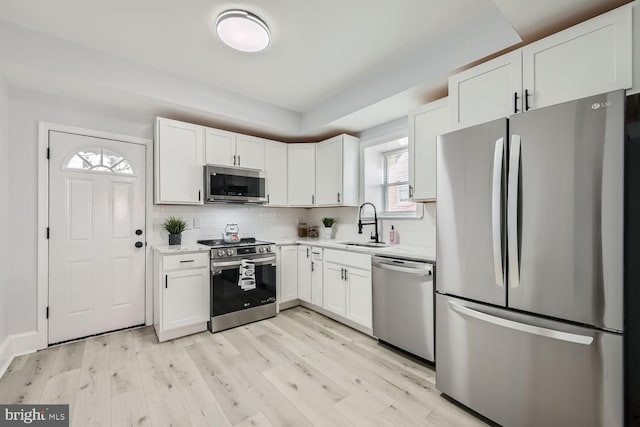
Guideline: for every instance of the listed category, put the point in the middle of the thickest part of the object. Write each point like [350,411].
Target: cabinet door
[304,273]
[179,159]
[487,91]
[301,160]
[359,307]
[288,266]
[250,152]
[425,124]
[329,172]
[316,283]
[334,289]
[185,298]
[220,147]
[275,165]
[588,59]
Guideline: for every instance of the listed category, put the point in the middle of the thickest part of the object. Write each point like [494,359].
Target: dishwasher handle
[402,266]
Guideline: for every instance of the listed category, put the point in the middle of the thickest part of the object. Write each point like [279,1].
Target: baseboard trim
[16,345]
[338,318]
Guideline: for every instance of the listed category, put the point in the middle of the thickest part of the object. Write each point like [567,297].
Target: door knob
[139,244]
[138,232]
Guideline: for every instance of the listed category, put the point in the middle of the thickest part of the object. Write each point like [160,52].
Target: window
[385,178]
[396,182]
[101,160]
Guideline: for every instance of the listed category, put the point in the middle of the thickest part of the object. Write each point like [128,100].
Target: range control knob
[261,249]
[229,252]
[220,252]
[268,248]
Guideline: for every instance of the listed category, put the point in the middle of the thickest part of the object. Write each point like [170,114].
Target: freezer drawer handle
[522,327]
[512,212]
[496,216]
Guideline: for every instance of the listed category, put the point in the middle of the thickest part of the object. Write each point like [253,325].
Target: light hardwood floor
[297,369]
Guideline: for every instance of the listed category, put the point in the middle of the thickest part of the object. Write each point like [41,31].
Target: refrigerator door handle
[512,212]
[522,327]
[496,211]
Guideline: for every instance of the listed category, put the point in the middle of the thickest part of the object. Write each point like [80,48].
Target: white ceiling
[331,65]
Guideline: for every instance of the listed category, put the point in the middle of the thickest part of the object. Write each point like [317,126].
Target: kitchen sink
[367,244]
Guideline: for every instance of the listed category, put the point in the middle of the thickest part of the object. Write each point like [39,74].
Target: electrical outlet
[196,222]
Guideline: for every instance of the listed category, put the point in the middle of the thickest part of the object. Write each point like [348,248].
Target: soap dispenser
[393,236]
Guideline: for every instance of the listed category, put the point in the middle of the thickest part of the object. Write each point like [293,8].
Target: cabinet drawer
[191,260]
[362,261]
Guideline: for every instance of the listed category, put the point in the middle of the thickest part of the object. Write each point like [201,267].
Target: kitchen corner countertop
[178,249]
[400,251]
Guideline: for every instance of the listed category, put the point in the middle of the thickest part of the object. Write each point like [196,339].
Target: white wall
[4,214]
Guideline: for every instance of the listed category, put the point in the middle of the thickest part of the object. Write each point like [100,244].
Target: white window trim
[397,130]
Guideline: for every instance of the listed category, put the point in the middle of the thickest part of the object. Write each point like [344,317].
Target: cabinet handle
[313,199]
[234,160]
[199,195]
[267,199]
[342,274]
[188,260]
[346,276]
[526,100]
[410,191]
[238,159]
[515,102]
[338,197]
[166,281]
[312,266]
[307,252]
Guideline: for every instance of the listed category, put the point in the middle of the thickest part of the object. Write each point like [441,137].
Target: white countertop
[175,249]
[401,251]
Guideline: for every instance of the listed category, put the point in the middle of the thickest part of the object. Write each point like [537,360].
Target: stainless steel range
[243,282]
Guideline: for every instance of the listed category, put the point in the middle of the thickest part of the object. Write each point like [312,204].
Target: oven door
[226,294]
[234,185]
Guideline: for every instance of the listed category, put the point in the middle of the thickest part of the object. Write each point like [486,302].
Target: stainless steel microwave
[234,185]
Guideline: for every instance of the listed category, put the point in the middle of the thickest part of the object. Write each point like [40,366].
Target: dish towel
[247,278]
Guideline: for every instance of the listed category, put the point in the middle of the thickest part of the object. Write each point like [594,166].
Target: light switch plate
[196,222]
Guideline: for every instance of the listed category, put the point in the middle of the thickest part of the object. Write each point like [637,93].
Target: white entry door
[97,235]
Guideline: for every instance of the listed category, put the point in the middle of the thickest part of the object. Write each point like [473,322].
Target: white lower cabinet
[317,282]
[182,294]
[347,288]
[304,273]
[287,273]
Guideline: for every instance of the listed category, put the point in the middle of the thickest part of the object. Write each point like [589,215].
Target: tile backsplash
[281,223]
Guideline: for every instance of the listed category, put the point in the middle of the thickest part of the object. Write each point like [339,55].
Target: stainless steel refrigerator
[529,302]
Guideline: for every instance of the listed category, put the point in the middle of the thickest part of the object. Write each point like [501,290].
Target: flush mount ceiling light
[242,30]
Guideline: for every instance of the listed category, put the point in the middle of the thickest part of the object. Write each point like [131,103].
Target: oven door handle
[234,264]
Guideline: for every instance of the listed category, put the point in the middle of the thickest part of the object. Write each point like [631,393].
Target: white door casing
[96,273]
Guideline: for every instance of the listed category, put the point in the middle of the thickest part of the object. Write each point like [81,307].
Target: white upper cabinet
[486,92]
[337,171]
[178,161]
[425,124]
[301,161]
[275,166]
[230,149]
[250,152]
[220,147]
[589,58]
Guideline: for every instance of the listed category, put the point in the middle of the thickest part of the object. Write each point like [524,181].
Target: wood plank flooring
[297,369]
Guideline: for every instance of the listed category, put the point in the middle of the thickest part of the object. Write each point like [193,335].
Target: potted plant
[175,226]
[327,230]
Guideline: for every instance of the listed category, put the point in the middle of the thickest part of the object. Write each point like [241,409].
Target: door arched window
[99,160]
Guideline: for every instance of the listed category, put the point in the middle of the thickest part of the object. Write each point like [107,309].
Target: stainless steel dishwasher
[403,304]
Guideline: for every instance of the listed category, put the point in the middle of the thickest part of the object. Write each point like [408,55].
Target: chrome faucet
[375,237]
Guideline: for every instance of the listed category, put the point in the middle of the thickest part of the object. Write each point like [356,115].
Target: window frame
[385,186]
